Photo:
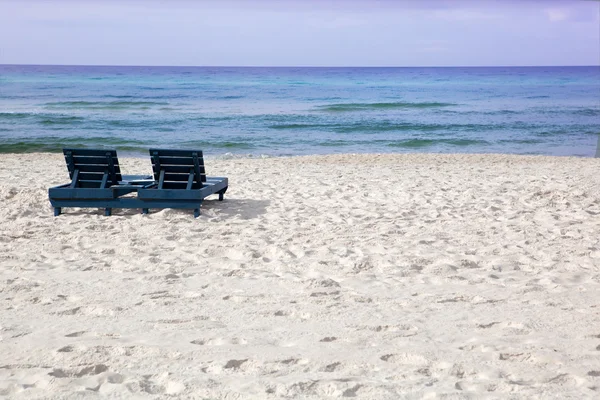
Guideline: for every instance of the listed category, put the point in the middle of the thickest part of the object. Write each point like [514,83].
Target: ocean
[296,111]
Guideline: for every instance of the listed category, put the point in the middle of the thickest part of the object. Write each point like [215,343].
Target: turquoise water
[292,111]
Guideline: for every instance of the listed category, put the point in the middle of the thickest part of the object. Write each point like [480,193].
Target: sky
[300,32]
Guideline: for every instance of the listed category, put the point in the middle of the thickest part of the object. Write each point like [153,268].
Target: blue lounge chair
[181,181]
[96,181]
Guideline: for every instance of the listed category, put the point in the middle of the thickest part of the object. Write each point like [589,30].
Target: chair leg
[196,212]
[57,211]
[107,212]
[144,211]
[221,194]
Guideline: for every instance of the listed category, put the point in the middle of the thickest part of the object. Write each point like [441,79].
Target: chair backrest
[93,168]
[178,169]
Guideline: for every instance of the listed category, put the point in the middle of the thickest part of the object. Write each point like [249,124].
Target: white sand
[374,276]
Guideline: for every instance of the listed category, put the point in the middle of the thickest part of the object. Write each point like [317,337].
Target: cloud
[464,15]
[434,49]
[335,22]
[433,46]
[557,14]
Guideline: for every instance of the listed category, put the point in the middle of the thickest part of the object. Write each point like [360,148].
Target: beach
[368,276]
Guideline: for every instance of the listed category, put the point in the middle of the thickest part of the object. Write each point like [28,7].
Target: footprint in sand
[89,370]
[75,334]
[398,330]
[332,367]
[328,339]
[518,357]
[234,364]
[405,359]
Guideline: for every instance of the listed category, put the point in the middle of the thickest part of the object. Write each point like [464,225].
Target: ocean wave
[17,115]
[346,107]
[207,120]
[65,121]
[473,112]
[387,127]
[571,130]
[41,118]
[298,126]
[587,112]
[53,144]
[521,141]
[579,111]
[331,98]
[143,123]
[396,127]
[225,144]
[119,96]
[104,105]
[61,120]
[336,143]
[500,112]
[232,145]
[418,143]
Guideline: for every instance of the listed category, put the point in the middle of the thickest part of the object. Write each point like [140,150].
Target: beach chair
[181,181]
[96,181]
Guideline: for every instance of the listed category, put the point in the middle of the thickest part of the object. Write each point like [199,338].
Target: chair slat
[177,161]
[91,177]
[90,184]
[199,168]
[175,153]
[95,168]
[92,160]
[179,185]
[176,177]
[91,152]
[175,169]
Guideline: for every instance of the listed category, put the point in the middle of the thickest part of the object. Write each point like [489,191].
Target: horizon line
[295,66]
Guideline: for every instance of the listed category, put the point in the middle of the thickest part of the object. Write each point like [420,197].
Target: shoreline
[230,156]
[375,275]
